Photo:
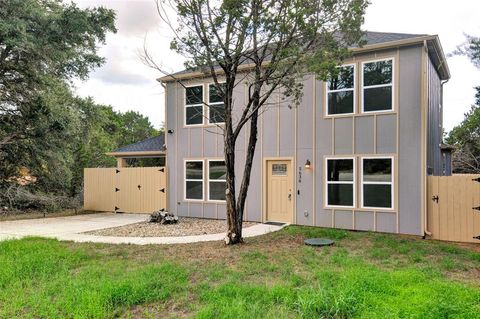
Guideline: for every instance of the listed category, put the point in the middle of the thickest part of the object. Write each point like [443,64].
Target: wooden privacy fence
[126,190]
[453,211]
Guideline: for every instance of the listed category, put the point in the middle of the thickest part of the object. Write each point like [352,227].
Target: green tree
[466,136]
[135,127]
[43,45]
[279,40]
[103,130]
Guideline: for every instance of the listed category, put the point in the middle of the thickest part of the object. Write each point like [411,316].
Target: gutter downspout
[425,77]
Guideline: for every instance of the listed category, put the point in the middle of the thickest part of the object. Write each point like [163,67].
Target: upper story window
[341,92]
[377,88]
[194,105]
[216,107]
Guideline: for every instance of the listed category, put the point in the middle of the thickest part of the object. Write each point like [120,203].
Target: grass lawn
[364,275]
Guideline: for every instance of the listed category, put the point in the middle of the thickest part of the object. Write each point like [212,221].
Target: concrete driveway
[71,228]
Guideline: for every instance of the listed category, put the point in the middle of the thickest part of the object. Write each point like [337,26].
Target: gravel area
[184,227]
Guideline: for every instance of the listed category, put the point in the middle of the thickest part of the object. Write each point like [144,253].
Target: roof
[151,145]
[373,41]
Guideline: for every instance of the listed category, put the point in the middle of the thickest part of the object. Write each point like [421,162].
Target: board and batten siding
[305,133]
[435,122]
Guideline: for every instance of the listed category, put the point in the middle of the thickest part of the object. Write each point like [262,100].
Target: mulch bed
[186,226]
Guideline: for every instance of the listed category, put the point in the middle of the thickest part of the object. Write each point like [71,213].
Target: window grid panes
[341,92]
[340,179]
[194,180]
[377,182]
[377,86]
[216,107]
[217,180]
[194,105]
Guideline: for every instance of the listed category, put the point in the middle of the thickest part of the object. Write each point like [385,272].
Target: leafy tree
[135,127]
[103,131]
[466,136]
[43,45]
[280,41]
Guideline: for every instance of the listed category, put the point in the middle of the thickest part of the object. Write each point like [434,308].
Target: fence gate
[454,207]
[126,190]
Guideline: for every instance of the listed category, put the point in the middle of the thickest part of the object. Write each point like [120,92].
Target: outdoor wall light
[307,164]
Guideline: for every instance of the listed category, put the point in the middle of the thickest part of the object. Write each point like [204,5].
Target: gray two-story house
[354,154]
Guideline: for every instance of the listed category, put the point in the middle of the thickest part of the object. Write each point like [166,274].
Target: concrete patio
[71,228]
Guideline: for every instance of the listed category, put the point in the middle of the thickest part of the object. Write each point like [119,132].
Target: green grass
[364,275]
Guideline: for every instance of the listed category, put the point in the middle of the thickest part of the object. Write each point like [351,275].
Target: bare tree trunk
[233,236]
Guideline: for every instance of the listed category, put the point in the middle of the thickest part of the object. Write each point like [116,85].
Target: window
[194,105]
[279,169]
[194,180]
[377,182]
[377,86]
[340,184]
[216,109]
[341,92]
[217,183]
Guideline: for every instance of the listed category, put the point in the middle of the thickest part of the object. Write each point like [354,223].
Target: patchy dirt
[32,214]
[185,227]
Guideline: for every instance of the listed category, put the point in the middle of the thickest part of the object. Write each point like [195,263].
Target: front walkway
[71,228]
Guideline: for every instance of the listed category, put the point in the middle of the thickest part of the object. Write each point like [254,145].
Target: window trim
[354,182]
[193,105]
[343,90]
[214,103]
[362,87]
[391,183]
[185,180]
[215,180]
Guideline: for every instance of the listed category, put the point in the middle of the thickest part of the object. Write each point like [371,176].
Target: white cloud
[125,83]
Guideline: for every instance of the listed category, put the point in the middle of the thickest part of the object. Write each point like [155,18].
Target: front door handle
[290,196]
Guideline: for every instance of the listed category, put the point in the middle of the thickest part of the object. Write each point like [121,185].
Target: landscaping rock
[163,218]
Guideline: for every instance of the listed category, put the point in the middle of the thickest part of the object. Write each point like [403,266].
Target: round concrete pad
[318,242]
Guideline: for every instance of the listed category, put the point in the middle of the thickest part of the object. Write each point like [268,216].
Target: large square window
[377,182]
[194,105]
[377,87]
[340,180]
[341,91]
[194,180]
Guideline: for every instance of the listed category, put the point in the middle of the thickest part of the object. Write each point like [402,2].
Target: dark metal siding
[435,125]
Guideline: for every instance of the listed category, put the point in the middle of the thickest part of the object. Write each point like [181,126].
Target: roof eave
[356,50]
[443,66]
[138,153]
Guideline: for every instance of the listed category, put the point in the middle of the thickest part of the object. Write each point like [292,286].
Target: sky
[126,83]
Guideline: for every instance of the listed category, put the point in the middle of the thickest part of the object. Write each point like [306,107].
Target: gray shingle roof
[382,37]
[370,37]
[151,144]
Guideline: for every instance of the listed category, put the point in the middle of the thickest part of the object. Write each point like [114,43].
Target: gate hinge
[117,208]
[163,190]
[162,170]
[117,171]
[476,179]
[117,189]
[435,198]
[477,237]
[476,208]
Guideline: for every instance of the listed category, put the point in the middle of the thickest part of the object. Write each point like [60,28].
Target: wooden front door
[279,191]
